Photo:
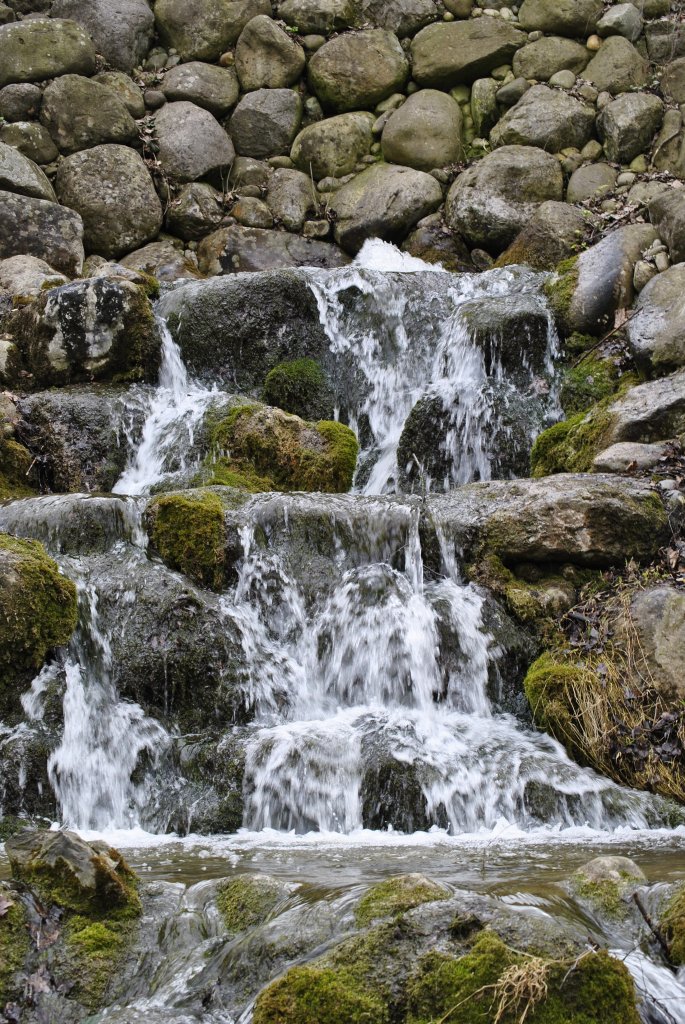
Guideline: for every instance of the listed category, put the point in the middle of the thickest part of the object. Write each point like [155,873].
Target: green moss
[188,532]
[394,896]
[299,387]
[561,288]
[595,990]
[246,901]
[262,448]
[673,925]
[587,383]
[607,895]
[94,951]
[115,897]
[549,685]
[39,610]
[571,446]
[14,946]
[15,464]
[317,995]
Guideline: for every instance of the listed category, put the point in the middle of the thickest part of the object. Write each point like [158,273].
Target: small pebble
[534,36]
[316,229]
[662,261]
[563,79]
[626,178]
[592,151]
[313,43]
[227,60]
[588,92]
[594,43]
[154,99]
[603,100]
[639,164]
[643,274]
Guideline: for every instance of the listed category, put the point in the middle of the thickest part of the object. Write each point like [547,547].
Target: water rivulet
[340,674]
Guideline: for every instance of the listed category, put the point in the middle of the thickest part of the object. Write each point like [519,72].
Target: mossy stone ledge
[300,387]
[395,896]
[39,611]
[187,529]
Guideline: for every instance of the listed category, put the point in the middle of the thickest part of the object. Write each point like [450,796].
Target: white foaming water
[410,334]
[376,700]
[103,737]
[177,407]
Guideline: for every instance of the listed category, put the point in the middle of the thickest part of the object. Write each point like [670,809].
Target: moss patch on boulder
[299,387]
[595,989]
[261,448]
[318,995]
[586,383]
[15,466]
[14,945]
[38,612]
[188,531]
[394,896]
[247,900]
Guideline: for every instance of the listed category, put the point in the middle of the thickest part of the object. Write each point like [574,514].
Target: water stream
[372,716]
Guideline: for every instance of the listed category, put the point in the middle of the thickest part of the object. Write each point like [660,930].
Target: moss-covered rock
[596,989]
[14,945]
[607,884]
[318,995]
[673,926]
[15,467]
[38,613]
[188,531]
[300,387]
[586,383]
[264,449]
[551,686]
[96,894]
[247,900]
[394,896]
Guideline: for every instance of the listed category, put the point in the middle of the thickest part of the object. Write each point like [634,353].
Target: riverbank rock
[628,124]
[19,174]
[544,57]
[655,617]
[121,33]
[238,250]
[42,229]
[98,328]
[266,57]
[380,69]
[667,214]
[590,288]
[209,28]
[425,132]
[39,615]
[40,48]
[655,331]
[192,145]
[321,17]
[450,54]
[214,88]
[80,114]
[573,18]
[333,147]
[385,202]
[110,188]
[495,198]
[546,118]
[617,67]
[265,122]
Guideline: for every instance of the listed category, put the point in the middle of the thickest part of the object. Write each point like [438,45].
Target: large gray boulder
[585,519]
[333,147]
[205,29]
[425,132]
[239,249]
[266,122]
[98,328]
[383,202]
[357,70]
[27,276]
[575,18]
[130,94]
[547,118]
[321,17]
[553,233]
[449,54]
[544,57]
[195,211]
[589,181]
[628,124]
[192,144]
[291,198]
[110,187]
[236,328]
[617,67]
[673,80]
[266,57]
[494,199]
[403,17]
[214,88]
[649,412]
[600,281]
[667,214]
[40,48]
[31,139]
[657,329]
[19,174]
[655,623]
[120,29]
[621,20]
[20,102]
[43,229]
[80,113]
